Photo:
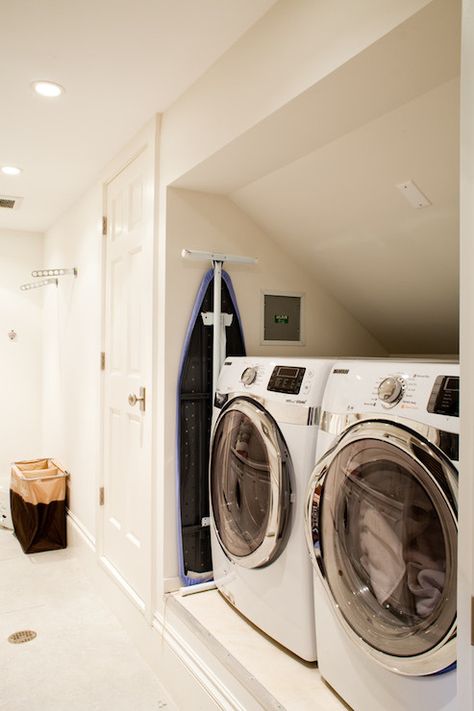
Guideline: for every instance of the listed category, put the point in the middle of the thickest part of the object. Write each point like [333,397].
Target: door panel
[128,347]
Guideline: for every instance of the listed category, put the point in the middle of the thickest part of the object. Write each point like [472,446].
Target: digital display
[285,379]
[452,384]
[287,372]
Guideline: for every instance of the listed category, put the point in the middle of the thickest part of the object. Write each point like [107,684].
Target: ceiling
[338,212]
[319,177]
[120,62]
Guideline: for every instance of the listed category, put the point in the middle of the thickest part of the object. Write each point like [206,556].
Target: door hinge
[102,361]
[101,496]
[472,621]
[104,226]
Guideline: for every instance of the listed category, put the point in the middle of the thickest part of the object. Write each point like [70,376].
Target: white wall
[204,221]
[72,318]
[20,359]
[73,324]
[466,479]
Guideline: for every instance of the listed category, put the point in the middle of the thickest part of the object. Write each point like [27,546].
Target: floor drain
[21,637]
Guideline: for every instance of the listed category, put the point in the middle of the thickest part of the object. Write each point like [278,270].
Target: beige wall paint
[291,48]
[466,479]
[20,359]
[340,210]
[204,221]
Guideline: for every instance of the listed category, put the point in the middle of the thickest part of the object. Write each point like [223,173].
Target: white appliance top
[427,392]
[291,380]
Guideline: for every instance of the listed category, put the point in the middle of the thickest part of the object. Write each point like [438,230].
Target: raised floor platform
[276,678]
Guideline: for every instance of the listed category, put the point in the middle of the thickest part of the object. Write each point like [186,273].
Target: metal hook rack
[38,284]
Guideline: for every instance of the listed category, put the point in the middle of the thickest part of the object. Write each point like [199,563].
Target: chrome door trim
[337,423]
[269,433]
[443,654]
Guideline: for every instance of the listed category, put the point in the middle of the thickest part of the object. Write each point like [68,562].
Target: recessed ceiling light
[10,170]
[48,88]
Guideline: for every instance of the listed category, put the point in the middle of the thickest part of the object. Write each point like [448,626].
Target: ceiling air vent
[8,202]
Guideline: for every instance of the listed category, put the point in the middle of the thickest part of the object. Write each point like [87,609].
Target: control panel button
[391,390]
[248,376]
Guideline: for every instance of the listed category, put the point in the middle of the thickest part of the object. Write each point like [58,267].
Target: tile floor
[82,658]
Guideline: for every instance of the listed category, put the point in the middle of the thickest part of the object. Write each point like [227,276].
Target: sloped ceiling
[319,177]
[337,211]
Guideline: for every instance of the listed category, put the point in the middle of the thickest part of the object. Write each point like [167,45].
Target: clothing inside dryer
[399,540]
[392,547]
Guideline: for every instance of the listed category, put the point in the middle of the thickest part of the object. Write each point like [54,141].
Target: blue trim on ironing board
[207,278]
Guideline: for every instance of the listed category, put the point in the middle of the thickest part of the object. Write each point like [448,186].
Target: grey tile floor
[81,658]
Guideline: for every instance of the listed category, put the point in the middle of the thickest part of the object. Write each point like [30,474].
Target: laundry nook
[237,340]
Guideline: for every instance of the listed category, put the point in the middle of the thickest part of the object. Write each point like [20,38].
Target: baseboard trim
[83,532]
[122,583]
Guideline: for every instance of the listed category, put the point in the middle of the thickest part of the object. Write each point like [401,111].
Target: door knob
[133,399]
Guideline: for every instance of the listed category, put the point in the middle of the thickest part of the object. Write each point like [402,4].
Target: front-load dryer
[262,455]
[381,523]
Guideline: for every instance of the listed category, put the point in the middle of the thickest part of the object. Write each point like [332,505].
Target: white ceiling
[337,212]
[319,177]
[120,62]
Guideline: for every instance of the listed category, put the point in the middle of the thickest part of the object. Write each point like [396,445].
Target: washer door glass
[250,484]
[388,537]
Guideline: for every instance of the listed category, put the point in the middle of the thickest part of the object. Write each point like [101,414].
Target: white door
[128,363]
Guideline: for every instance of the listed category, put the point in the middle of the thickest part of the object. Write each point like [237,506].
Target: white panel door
[128,363]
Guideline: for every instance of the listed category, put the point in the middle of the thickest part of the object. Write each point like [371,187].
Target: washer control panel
[286,379]
[425,391]
[390,391]
[444,398]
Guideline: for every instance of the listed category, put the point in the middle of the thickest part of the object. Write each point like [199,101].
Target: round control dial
[391,390]
[248,376]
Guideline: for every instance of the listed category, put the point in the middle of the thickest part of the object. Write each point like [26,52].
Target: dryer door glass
[250,486]
[388,534]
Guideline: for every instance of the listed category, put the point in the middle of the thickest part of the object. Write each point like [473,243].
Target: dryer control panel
[286,379]
[444,398]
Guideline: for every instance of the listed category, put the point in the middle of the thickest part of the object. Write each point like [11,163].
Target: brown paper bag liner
[39,481]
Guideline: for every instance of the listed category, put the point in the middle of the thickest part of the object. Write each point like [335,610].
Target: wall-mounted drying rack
[53,272]
[48,276]
[217,259]
[38,284]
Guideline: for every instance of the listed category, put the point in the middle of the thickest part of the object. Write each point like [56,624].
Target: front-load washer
[381,523]
[262,455]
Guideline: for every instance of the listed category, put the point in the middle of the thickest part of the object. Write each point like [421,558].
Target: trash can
[38,504]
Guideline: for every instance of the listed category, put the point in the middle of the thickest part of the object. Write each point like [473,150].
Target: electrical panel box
[282,318]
